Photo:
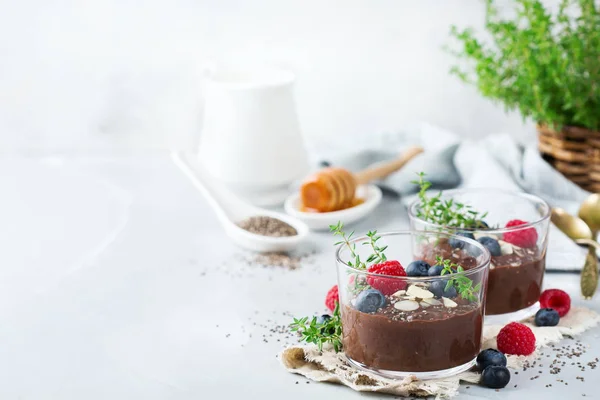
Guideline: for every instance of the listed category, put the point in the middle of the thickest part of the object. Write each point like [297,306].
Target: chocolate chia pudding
[442,248]
[428,339]
[515,281]
[512,225]
[515,278]
[406,316]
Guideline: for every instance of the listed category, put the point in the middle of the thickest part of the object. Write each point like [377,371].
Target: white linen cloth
[328,366]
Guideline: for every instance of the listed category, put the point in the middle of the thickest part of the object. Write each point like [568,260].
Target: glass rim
[480,265]
[527,196]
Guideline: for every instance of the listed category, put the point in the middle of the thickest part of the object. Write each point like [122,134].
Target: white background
[124,75]
[116,280]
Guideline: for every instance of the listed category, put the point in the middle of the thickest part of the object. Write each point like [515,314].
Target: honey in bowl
[355,202]
[334,189]
[331,189]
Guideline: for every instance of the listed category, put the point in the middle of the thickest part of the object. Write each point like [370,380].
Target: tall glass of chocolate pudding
[513,226]
[411,307]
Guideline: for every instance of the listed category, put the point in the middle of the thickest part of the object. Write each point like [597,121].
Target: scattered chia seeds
[290,261]
[268,226]
[277,260]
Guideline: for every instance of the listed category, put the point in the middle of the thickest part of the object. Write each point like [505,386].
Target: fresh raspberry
[332,298]
[557,300]
[522,238]
[516,338]
[387,286]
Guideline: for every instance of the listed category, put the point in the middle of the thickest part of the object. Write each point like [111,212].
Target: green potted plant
[546,66]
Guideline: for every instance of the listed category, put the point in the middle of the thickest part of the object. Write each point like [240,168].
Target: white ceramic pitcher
[251,139]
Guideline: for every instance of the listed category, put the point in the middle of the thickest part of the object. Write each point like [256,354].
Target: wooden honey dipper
[333,189]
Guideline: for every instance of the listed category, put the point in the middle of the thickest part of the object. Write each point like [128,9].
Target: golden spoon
[590,213]
[575,228]
[580,232]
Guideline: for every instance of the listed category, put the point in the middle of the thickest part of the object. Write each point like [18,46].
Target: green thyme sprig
[312,331]
[464,286]
[448,213]
[378,255]
[338,230]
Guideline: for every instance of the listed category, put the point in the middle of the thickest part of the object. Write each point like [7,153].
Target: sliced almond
[419,292]
[518,250]
[409,297]
[432,302]
[399,293]
[406,305]
[448,302]
[505,247]
[424,305]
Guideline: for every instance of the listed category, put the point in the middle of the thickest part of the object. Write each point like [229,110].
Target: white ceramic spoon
[230,210]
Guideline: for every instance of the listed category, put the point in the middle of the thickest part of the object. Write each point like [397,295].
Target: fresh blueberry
[438,288]
[490,357]
[457,243]
[450,292]
[435,270]
[368,301]
[495,377]
[491,244]
[547,317]
[417,268]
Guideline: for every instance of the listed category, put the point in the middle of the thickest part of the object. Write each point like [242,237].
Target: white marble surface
[117,282]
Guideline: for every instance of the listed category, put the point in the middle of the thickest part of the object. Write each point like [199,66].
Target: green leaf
[446,213]
[320,333]
[449,284]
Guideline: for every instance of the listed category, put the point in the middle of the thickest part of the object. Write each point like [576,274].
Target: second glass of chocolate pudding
[515,231]
[428,326]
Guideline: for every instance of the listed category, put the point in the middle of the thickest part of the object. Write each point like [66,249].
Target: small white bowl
[321,221]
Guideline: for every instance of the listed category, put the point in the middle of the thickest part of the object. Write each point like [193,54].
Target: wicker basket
[575,152]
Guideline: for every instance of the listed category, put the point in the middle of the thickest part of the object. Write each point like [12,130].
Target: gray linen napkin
[437,161]
[496,161]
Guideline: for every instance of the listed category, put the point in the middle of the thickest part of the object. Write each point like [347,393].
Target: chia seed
[277,260]
[268,226]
